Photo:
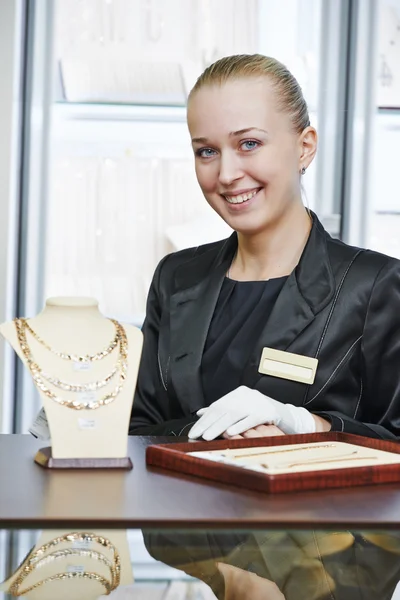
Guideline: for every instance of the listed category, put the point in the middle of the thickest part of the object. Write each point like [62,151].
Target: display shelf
[388,118]
[118,112]
[389,111]
[157,131]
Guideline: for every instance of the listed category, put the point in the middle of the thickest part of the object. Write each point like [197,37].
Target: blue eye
[205,152]
[249,145]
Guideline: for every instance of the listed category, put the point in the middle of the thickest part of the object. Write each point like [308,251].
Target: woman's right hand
[260,431]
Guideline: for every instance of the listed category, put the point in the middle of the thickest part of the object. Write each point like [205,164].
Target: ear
[308,142]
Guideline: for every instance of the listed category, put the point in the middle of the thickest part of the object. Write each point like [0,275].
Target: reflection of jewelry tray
[285,464]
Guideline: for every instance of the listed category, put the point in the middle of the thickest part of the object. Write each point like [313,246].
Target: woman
[279,282]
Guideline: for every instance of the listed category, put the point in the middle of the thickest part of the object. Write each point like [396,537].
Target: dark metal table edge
[194,524]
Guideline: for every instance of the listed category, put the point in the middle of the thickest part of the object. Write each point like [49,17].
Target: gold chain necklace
[32,560]
[296,448]
[75,357]
[36,372]
[75,387]
[92,386]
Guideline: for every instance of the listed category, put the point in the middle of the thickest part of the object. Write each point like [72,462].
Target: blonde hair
[289,94]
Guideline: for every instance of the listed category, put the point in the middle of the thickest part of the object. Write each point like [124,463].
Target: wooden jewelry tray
[285,464]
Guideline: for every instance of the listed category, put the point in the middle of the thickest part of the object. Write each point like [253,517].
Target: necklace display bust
[85,368]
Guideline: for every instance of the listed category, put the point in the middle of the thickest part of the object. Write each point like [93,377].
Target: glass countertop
[199,565]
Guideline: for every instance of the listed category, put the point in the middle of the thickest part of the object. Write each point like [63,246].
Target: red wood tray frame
[175,457]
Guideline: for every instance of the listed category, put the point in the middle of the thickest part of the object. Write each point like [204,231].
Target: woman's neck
[274,252]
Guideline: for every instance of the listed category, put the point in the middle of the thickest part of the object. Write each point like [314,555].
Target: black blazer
[341,305]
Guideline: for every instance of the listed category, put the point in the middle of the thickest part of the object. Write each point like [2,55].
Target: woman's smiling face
[247,154]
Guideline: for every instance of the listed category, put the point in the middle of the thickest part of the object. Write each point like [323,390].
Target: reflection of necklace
[37,559]
[38,377]
[23,561]
[59,554]
[75,357]
[62,577]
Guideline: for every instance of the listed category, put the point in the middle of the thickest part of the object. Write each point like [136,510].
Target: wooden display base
[44,458]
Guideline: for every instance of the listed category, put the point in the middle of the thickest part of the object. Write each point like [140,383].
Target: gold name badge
[288,366]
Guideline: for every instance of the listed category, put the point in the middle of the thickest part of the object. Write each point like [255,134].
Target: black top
[242,310]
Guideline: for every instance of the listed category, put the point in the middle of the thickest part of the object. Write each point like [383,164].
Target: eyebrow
[203,140]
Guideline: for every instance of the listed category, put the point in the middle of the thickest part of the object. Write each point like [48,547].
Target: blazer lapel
[198,284]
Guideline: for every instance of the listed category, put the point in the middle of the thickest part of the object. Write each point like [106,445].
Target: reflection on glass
[293,565]
[73,564]
[227,565]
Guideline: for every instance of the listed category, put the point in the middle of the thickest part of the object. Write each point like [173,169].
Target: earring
[303,170]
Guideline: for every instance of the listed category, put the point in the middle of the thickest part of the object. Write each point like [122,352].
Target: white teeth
[241,197]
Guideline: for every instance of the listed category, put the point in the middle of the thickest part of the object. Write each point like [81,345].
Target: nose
[230,168]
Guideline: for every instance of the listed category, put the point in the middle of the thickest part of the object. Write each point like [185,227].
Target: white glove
[245,408]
